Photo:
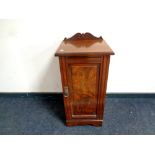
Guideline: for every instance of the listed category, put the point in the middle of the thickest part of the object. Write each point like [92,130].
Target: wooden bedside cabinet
[84,62]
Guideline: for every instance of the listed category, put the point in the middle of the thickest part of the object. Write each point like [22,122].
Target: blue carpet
[45,115]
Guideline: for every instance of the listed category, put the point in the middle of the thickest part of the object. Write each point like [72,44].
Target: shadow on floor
[55,106]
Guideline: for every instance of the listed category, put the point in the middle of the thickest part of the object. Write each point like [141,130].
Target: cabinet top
[84,44]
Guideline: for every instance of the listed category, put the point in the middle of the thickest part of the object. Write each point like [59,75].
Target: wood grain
[81,45]
[84,68]
[84,81]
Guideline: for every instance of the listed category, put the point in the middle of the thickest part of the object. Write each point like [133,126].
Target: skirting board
[58,95]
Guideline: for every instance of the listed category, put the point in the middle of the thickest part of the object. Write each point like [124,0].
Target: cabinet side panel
[103,85]
[67,106]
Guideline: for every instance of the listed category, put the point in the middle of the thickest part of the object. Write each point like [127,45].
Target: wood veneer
[84,62]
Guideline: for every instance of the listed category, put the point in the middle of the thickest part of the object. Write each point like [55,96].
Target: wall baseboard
[59,95]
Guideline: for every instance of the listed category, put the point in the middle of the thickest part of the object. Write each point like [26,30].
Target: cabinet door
[83,78]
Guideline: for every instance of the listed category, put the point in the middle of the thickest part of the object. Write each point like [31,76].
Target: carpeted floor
[45,115]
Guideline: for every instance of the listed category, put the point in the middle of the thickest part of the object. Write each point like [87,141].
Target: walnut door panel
[83,83]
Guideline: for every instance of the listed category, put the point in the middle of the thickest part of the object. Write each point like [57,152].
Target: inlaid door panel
[83,83]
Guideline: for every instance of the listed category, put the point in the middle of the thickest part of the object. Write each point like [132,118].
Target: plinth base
[75,122]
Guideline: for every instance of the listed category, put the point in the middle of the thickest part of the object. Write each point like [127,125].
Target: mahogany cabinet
[84,62]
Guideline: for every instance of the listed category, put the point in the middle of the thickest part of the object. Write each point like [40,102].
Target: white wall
[28,43]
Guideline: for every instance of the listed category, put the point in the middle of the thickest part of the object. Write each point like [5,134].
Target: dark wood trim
[83,36]
[76,122]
